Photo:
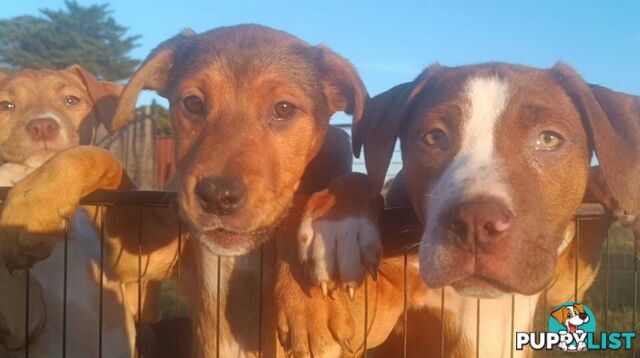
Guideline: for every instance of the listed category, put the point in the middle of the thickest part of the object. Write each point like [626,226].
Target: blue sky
[391,42]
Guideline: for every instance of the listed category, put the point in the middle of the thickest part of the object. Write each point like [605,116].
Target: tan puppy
[250,109]
[43,112]
[495,163]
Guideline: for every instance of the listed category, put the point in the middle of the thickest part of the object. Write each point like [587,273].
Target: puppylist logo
[572,328]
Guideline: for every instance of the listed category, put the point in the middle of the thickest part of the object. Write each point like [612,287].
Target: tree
[88,36]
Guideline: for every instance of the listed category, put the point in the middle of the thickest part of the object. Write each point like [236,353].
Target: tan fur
[239,73]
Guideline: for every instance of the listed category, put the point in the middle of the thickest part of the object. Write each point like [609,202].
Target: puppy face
[250,107]
[496,160]
[43,112]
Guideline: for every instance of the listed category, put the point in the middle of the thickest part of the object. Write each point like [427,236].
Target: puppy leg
[38,205]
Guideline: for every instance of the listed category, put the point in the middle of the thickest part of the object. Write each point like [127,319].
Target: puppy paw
[338,239]
[310,324]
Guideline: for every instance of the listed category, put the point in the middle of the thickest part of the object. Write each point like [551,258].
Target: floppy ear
[104,94]
[342,84]
[560,314]
[378,129]
[153,74]
[612,120]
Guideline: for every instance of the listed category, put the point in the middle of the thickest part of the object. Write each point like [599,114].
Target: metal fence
[395,220]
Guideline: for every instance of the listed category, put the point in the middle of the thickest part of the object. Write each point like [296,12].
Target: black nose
[583,316]
[220,195]
[42,128]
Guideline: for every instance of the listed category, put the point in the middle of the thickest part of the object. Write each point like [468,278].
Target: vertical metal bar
[179,268]
[606,286]
[178,278]
[478,328]
[366,316]
[442,324]
[513,323]
[26,317]
[635,292]
[260,302]
[576,266]
[64,289]
[404,308]
[218,309]
[138,337]
[101,293]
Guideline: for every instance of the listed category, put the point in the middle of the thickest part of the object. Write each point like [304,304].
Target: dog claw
[352,290]
[373,270]
[347,345]
[325,290]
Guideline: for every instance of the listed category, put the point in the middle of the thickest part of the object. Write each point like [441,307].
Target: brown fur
[239,73]
[589,117]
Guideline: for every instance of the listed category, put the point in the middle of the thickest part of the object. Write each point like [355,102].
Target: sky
[391,42]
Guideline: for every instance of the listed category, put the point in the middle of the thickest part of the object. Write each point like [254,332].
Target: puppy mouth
[232,243]
[480,287]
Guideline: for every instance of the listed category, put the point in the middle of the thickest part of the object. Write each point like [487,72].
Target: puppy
[250,110]
[496,160]
[43,112]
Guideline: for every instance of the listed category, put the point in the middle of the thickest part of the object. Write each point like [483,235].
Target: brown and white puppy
[250,110]
[496,160]
[43,112]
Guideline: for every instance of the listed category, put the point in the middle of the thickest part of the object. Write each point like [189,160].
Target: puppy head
[250,107]
[45,111]
[496,160]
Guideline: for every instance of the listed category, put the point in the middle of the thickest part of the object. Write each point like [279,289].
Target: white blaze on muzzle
[477,168]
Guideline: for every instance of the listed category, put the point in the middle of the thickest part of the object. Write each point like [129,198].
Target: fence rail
[398,220]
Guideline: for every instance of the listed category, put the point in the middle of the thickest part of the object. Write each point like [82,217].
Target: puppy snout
[480,221]
[42,128]
[221,195]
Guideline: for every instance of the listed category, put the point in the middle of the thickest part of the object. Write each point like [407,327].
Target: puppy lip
[479,286]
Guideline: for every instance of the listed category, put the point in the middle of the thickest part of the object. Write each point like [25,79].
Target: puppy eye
[6,106]
[71,100]
[283,111]
[194,105]
[436,138]
[548,141]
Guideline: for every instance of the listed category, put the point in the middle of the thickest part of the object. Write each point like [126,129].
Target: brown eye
[548,141]
[436,137]
[71,100]
[194,105]
[6,106]
[283,111]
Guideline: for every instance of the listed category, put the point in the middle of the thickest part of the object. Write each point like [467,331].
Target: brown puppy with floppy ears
[250,110]
[496,160]
[43,112]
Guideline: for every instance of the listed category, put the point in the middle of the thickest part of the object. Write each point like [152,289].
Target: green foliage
[87,36]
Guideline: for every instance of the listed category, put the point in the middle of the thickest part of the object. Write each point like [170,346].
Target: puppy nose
[42,128]
[481,220]
[220,195]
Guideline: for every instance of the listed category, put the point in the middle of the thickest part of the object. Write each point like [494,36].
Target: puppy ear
[153,74]
[559,314]
[379,127]
[342,85]
[612,120]
[579,307]
[104,95]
